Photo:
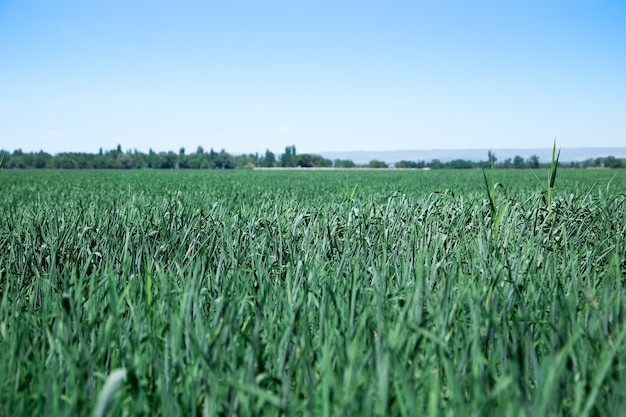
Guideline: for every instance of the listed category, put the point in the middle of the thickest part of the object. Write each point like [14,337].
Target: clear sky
[323,75]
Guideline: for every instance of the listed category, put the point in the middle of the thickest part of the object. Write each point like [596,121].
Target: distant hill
[545,154]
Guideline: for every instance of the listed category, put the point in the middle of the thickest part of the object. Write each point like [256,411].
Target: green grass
[312,293]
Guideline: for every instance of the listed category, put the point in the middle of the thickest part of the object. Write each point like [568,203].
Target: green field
[313,293]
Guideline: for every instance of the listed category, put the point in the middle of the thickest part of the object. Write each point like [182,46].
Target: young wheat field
[330,293]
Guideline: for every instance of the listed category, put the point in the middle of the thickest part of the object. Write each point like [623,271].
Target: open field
[313,293]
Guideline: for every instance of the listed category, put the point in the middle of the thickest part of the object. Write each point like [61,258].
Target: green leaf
[492,205]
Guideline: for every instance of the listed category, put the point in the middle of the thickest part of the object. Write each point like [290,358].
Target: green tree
[155,160]
[126,161]
[268,160]
[533,162]
[461,164]
[287,159]
[613,162]
[41,160]
[518,162]
[223,160]
[198,159]
[182,161]
[410,164]
[436,164]
[343,163]
[374,163]
[306,160]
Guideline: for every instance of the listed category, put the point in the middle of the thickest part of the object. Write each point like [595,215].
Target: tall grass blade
[604,367]
[552,175]
[107,394]
[263,293]
[492,204]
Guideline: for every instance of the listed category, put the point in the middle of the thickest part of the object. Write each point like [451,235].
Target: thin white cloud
[284,129]
[51,134]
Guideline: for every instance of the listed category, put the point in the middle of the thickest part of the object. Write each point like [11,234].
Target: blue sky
[324,75]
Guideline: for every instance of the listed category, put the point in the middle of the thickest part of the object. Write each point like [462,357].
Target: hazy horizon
[327,77]
[571,154]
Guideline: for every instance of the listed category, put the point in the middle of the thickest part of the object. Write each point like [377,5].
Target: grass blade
[552,175]
[107,394]
[492,204]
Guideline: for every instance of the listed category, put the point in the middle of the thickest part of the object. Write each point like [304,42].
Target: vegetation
[312,293]
[133,159]
[200,159]
[377,164]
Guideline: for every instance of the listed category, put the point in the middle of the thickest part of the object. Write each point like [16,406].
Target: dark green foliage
[133,159]
[312,293]
[377,164]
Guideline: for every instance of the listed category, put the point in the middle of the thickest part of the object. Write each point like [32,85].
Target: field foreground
[313,293]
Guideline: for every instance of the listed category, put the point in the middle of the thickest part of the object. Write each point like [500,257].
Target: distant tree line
[516,162]
[201,159]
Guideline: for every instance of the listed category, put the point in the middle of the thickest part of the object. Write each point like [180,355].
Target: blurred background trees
[201,159]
